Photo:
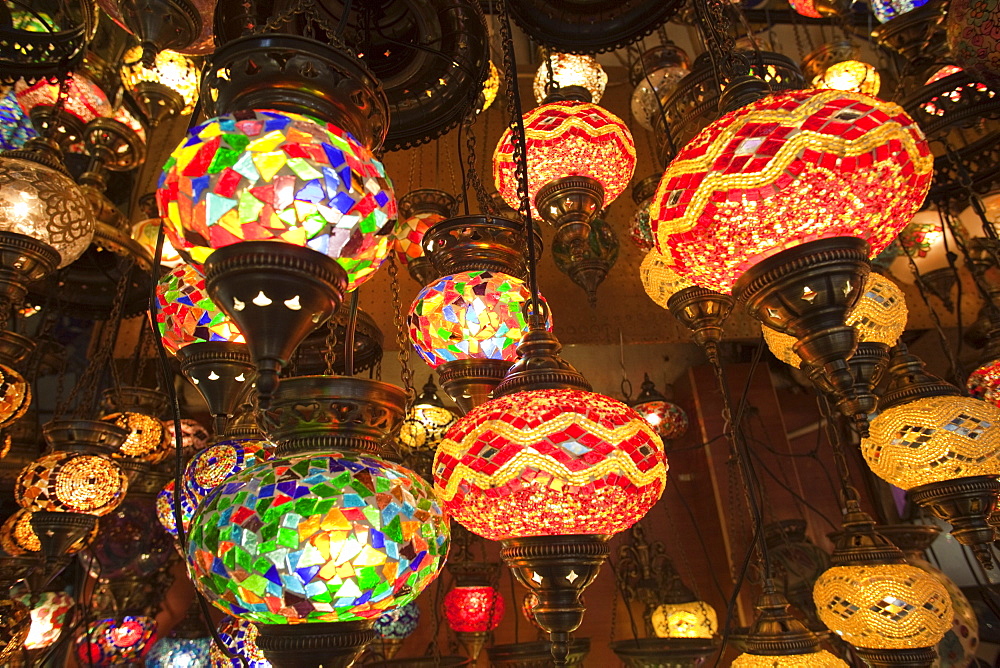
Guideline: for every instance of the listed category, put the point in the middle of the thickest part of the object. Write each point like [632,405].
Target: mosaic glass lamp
[15,126]
[490,89]
[855,76]
[570,69]
[943,448]
[145,232]
[138,410]
[213,466]
[424,426]
[240,638]
[667,418]
[165,88]
[179,653]
[395,626]
[165,512]
[580,158]
[84,102]
[473,612]
[886,10]
[49,613]
[418,211]
[15,624]
[887,610]
[111,642]
[18,538]
[691,619]
[15,391]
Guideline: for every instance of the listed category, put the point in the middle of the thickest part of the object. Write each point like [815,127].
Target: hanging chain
[472,174]
[402,339]
[329,354]
[716,27]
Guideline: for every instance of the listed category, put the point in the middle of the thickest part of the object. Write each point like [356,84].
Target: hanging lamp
[393,627]
[941,447]
[667,418]
[419,210]
[165,89]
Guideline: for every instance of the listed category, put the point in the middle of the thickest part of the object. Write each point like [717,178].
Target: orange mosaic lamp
[570,145]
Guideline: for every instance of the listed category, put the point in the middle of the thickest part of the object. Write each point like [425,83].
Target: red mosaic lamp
[473,612]
[84,102]
[781,203]
[419,210]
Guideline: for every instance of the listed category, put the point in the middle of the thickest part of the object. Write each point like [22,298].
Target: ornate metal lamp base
[806,292]
[665,652]
[311,413]
[557,569]
[330,645]
[276,293]
[470,382]
[536,654]
[867,365]
[919,657]
[157,102]
[470,243]
[222,372]
[940,283]
[22,260]
[703,311]
[473,643]
[57,531]
[86,436]
[966,504]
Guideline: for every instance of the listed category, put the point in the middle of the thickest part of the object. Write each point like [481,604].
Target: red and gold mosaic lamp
[473,612]
[84,102]
[113,642]
[580,158]
[667,418]
[419,210]
[781,203]
[552,470]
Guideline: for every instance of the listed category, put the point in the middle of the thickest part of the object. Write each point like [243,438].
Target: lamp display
[567,139]
[48,616]
[240,637]
[788,169]
[879,317]
[398,623]
[165,509]
[694,619]
[549,462]
[472,314]
[15,624]
[419,210]
[145,440]
[146,232]
[851,75]
[667,418]
[886,10]
[270,175]
[654,76]
[168,88]
[83,103]
[410,232]
[570,69]
[318,538]
[179,653]
[186,314]
[18,537]
[111,642]
[211,467]
[15,126]
[474,609]
[71,482]
[39,201]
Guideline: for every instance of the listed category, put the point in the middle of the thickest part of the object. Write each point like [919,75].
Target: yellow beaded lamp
[701,310]
[943,448]
[779,640]
[137,410]
[424,426]
[892,613]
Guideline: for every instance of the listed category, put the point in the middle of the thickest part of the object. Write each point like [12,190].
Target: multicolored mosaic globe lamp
[784,214]
[287,211]
[212,351]
[467,323]
[49,613]
[940,446]
[73,483]
[890,612]
[179,653]
[239,637]
[418,211]
[552,470]
[111,642]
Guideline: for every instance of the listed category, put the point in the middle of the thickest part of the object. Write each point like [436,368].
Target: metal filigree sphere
[271,175]
[787,169]
[330,537]
[934,439]
[566,139]
[44,204]
[549,462]
[891,606]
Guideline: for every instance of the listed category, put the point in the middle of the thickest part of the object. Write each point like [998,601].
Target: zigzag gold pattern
[715,181]
[617,462]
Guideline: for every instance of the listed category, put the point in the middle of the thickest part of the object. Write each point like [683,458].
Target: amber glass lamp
[782,201]
[165,88]
[890,612]
[943,448]
[569,69]
[552,469]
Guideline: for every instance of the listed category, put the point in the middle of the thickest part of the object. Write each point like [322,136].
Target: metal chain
[472,174]
[716,27]
[402,339]
[331,342]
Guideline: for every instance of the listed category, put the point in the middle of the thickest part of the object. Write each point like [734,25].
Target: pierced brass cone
[910,380]
[966,504]
[665,652]
[330,644]
[570,203]
[557,569]
[421,270]
[704,312]
[222,372]
[57,531]
[316,413]
[867,365]
[918,657]
[470,382]
[22,261]
[157,102]
[479,243]
[276,293]
[473,642]
[806,292]
[940,283]
[776,632]
[860,544]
